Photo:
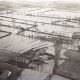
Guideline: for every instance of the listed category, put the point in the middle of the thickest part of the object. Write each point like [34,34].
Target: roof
[72,54]
[69,69]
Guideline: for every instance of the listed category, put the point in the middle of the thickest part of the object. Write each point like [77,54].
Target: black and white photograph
[39,39]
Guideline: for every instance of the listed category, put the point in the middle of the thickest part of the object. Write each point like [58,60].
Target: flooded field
[44,24]
[25,25]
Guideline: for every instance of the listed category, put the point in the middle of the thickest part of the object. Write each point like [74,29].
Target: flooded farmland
[41,43]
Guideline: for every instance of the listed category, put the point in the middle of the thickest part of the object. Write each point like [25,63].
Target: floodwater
[23,21]
[29,74]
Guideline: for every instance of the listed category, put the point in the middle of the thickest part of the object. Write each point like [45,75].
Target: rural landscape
[39,40]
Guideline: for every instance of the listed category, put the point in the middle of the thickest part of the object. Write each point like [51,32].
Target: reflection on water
[41,73]
[28,74]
